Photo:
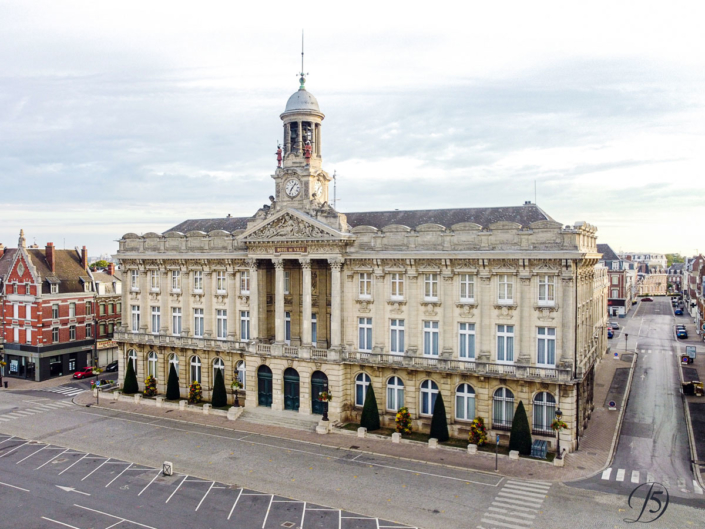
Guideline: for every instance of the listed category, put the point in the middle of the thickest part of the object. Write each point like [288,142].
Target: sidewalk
[595,449]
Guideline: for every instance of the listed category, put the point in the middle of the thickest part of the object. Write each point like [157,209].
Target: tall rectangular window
[198,322]
[111,308]
[154,280]
[287,328]
[396,345]
[134,279]
[314,329]
[55,335]
[135,318]
[89,331]
[244,325]
[430,338]
[546,346]
[220,281]
[615,280]
[72,310]
[176,280]
[547,290]
[89,308]
[176,321]
[245,282]
[111,327]
[615,293]
[54,288]
[467,288]
[55,312]
[430,291]
[119,307]
[15,311]
[505,343]
[72,332]
[101,330]
[466,347]
[28,335]
[364,327]
[156,320]
[221,319]
[397,285]
[198,281]
[27,289]
[287,282]
[505,284]
[101,309]
[365,285]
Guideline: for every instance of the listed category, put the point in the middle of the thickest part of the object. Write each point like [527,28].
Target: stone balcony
[421,363]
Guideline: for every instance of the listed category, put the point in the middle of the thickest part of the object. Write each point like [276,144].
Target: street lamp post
[559,415]
[626,342]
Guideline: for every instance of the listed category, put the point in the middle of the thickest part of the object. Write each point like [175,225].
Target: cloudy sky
[129,116]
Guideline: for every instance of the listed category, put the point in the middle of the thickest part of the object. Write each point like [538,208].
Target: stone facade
[487,306]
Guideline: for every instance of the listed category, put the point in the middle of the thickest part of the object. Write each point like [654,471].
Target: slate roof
[106,280]
[69,270]
[523,215]
[607,253]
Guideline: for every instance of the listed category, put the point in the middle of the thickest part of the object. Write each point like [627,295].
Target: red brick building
[46,311]
[108,298]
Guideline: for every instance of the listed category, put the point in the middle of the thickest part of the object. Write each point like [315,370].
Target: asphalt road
[653,442]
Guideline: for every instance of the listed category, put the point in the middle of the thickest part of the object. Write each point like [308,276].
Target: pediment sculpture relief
[291,227]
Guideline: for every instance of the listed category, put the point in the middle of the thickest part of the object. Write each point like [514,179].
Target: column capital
[336,263]
[251,264]
[305,263]
[278,263]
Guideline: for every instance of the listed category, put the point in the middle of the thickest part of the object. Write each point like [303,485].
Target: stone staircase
[282,419]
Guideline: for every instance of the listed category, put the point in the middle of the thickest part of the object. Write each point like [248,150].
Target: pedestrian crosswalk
[38,408]
[636,477]
[69,391]
[516,505]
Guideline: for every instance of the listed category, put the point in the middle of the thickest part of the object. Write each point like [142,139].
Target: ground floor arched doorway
[291,389]
[319,383]
[264,386]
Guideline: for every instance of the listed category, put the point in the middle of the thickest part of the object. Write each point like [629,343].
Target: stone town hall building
[488,306]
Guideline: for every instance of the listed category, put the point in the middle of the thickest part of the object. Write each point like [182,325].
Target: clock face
[318,189]
[292,187]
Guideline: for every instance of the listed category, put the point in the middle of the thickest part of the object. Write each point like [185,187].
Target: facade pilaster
[379,323]
[307,302]
[335,302]
[254,300]
[279,330]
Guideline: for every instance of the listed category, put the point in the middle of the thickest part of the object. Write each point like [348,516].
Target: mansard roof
[523,215]
[607,252]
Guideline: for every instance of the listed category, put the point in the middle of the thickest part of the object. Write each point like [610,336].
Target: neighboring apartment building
[108,286]
[694,289]
[621,277]
[657,262]
[485,306]
[675,277]
[46,298]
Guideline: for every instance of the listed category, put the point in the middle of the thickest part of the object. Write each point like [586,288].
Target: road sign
[612,405]
[498,439]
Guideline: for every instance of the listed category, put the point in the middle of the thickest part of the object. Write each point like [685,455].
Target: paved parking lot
[80,490]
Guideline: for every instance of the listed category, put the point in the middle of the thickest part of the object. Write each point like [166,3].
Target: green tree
[520,437]
[439,422]
[172,386]
[370,413]
[102,263]
[220,397]
[674,258]
[130,386]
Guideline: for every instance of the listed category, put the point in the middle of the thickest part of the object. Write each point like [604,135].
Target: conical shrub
[220,397]
[130,386]
[520,437]
[439,422]
[370,413]
[172,386]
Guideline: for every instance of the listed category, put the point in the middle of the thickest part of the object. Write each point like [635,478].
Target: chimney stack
[84,258]
[111,269]
[51,256]
[2,249]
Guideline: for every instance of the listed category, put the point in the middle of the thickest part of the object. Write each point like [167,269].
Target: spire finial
[302,75]
[21,241]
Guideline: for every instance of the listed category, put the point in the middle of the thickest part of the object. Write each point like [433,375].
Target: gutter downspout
[575,365]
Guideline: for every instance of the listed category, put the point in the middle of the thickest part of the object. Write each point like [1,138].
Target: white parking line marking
[16,448]
[116,517]
[6,440]
[30,455]
[620,474]
[499,503]
[635,476]
[303,514]
[177,488]
[510,526]
[606,473]
[96,468]
[268,508]
[60,523]
[12,486]
[120,474]
[148,484]
[234,504]
[204,496]
[72,464]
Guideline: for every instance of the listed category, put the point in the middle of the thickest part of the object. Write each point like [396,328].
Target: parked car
[614,325]
[681,333]
[679,312]
[84,372]
[112,366]
[647,299]
[610,332]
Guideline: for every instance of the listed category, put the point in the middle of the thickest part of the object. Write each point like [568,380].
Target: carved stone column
[447,299]
[379,323]
[307,302]
[279,323]
[335,302]
[254,300]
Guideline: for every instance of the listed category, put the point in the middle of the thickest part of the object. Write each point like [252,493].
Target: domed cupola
[302,128]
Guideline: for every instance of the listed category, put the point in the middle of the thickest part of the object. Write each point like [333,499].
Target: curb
[689,426]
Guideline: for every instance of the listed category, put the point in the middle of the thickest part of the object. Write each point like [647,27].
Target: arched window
[218,364]
[465,402]
[152,364]
[132,357]
[429,392]
[395,393]
[362,381]
[503,409]
[240,373]
[195,369]
[544,412]
[174,361]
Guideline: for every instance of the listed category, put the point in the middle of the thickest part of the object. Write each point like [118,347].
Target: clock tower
[301,182]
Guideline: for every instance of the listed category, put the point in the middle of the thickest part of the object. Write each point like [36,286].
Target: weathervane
[302,75]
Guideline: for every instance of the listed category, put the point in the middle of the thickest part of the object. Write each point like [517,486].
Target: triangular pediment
[292,225]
